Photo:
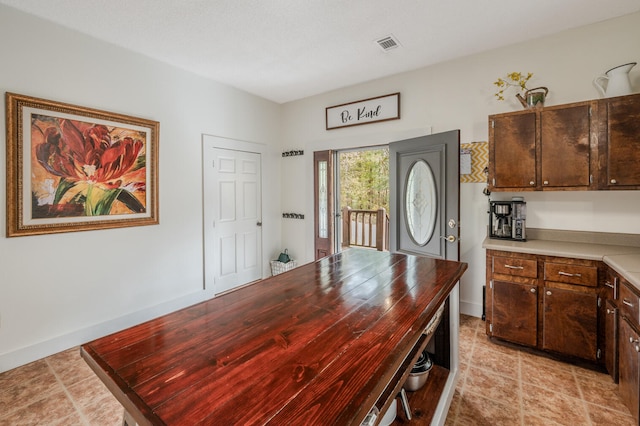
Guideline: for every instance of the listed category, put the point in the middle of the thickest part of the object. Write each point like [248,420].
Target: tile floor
[57,390]
[497,386]
[503,386]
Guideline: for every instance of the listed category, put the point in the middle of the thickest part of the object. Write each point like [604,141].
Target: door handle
[259,224]
[450,238]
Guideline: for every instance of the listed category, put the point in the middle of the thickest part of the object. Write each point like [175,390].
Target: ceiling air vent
[387,43]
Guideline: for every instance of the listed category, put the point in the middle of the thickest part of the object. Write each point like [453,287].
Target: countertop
[623,258]
[315,345]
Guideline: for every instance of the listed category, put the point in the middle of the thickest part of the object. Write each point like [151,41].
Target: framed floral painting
[71,168]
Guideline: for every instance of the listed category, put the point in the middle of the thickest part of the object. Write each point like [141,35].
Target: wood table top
[315,345]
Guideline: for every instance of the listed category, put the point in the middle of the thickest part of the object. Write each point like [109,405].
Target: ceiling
[285,50]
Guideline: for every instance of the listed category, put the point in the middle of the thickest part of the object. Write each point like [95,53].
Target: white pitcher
[618,83]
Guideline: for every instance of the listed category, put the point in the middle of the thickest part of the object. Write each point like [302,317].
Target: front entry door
[324,213]
[425,195]
[232,204]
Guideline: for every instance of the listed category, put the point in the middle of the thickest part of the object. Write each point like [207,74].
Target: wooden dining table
[318,344]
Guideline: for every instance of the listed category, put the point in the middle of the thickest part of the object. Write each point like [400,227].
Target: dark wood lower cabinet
[544,302]
[611,340]
[570,323]
[514,312]
[576,309]
[629,371]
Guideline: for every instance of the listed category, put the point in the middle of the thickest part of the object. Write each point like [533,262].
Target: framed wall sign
[71,168]
[372,110]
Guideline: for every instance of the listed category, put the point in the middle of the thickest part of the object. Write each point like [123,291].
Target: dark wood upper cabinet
[513,160]
[542,149]
[620,143]
[565,145]
[580,146]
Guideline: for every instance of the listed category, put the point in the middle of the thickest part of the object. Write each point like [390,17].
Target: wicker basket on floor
[278,267]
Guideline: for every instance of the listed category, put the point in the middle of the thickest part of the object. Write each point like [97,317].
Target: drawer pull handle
[626,302]
[548,293]
[608,284]
[513,267]
[566,274]
[533,290]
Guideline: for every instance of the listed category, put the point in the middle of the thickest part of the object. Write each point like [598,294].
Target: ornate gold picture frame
[71,168]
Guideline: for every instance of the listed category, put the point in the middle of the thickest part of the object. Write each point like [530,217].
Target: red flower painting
[86,169]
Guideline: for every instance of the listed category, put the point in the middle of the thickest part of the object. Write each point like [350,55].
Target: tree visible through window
[364,190]
[364,179]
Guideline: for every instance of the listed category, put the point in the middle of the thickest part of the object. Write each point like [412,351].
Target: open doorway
[351,192]
[407,164]
[362,198]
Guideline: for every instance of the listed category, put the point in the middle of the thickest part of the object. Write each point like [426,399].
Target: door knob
[450,238]
[259,223]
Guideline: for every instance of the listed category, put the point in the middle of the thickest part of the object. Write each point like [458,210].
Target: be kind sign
[381,108]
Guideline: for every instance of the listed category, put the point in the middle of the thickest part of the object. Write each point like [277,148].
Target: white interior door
[233,224]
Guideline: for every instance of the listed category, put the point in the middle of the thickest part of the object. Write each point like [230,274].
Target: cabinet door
[512,151]
[570,322]
[623,147]
[629,378]
[565,146]
[514,312]
[611,339]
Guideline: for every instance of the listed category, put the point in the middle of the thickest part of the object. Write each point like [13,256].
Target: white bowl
[390,414]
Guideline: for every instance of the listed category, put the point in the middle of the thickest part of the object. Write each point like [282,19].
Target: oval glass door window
[420,202]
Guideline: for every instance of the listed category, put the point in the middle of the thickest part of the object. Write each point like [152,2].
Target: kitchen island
[321,344]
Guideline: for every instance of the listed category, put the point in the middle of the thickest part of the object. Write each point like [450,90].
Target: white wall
[459,95]
[57,291]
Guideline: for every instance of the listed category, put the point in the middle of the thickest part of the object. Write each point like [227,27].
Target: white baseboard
[470,308]
[11,360]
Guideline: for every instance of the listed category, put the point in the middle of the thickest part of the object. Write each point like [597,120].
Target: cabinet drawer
[515,266]
[629,301]
[572,274]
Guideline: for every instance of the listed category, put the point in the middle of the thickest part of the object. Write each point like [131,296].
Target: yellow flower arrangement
[513,79]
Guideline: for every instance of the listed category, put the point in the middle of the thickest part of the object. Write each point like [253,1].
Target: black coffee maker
[507,220]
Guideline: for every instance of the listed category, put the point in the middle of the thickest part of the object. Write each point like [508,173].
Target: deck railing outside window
[365,228]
